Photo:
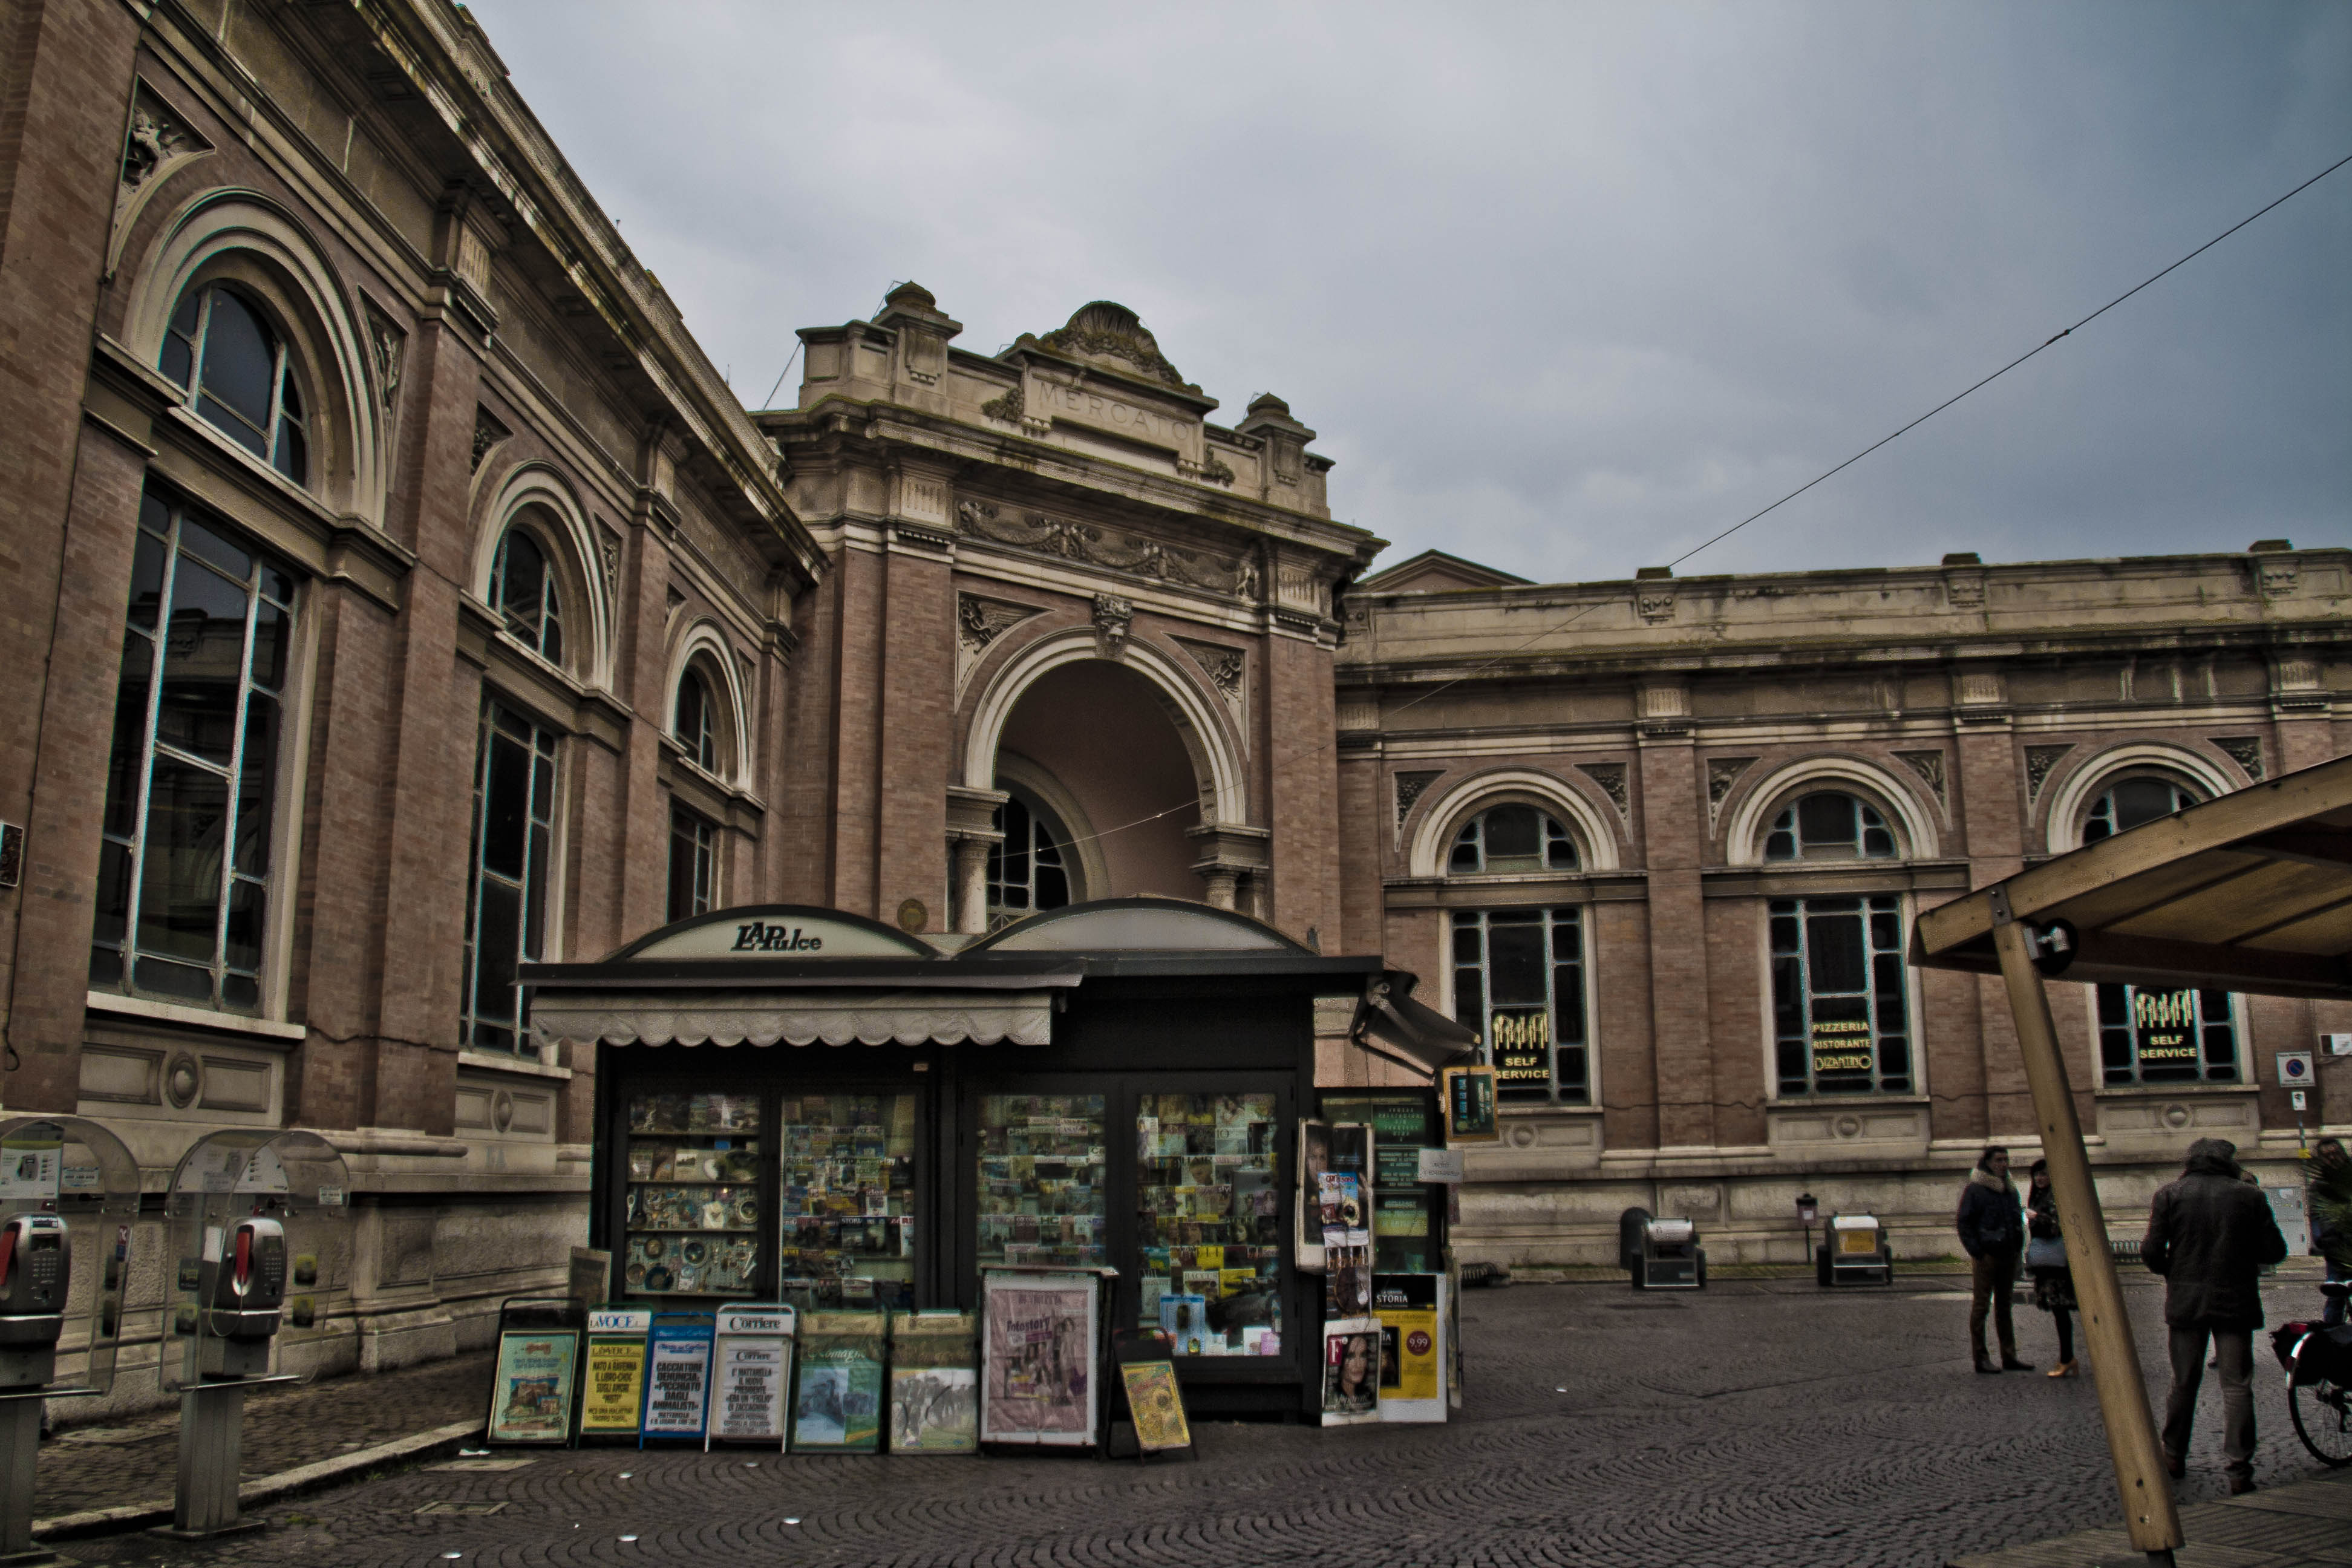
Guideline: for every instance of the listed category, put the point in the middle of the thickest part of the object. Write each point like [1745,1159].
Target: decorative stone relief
[1979,686]
[1007,407]
[2295,684]
[979,622]
[1655,605]
[1722,772]
[1929,766]
[1410,788]
[1966,590]
[608,552]
[1114,616]
[1611,777]
[2246,751]
[2038,761]
[1666,711]
[487,433]
[387,346]
[160,141]
[1099,546]
[1226,667]
[2278,576]
[1215,471]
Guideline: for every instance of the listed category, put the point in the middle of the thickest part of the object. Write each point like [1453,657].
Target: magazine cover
[1313,1160]
[1412,1352]
[839,1406]
[1184,1320]
[1038,1380]
[755,1362]
[934,1383]
[1351,1370]
[678,1380]
[1156,1404]
[613,1393]
[531,1398]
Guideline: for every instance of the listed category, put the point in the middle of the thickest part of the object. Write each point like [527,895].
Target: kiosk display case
[845,1196]
[1041,1183]
[1208,1218]
[693,1194]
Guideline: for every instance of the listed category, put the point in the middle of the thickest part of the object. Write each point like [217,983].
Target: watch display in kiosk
[243,1285]
[35,1265]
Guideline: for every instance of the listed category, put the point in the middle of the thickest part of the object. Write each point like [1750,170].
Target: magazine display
[755,1361]
[530,1399]
[1344,1207]
[1041,1188]
[934,1383]
[678,1377]
[1351,1370]
[846,1191]
[693,1197]
[1209,1221]
[837,1404]
[1039,1334]
[1412,1350]
[613,1384]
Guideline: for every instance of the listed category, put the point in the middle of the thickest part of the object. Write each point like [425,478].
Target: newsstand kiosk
[803,1106]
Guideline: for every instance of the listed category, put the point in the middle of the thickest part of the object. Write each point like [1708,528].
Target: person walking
[1992,1233]
[2045,1260]
[2210,1234]
[2328,1187]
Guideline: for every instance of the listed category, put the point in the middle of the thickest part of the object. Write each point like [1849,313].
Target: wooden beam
[2149,1515]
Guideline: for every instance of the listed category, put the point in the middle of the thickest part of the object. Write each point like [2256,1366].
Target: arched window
[2129,802]
[1830,825]
[236,373]
[1505,838]
[523,589]
[697,720]
[1030,869]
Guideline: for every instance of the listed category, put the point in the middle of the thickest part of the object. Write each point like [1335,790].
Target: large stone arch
[1596,842]
[243,235]
[1912,819]
[1216,760]
[2061,821]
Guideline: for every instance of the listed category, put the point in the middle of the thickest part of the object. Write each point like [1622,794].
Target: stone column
[972,834]
[1227,855]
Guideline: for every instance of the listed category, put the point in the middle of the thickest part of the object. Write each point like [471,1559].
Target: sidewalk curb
[267,1488]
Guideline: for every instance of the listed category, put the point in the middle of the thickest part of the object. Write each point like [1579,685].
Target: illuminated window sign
[2182,1035]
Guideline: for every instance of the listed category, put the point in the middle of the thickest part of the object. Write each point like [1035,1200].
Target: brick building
[400,596]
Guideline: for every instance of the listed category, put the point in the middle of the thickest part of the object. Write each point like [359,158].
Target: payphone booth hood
[258,1226]
[68,1201]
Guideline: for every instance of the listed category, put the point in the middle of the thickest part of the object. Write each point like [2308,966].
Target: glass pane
[681,866]
[128,759]
[846,1200]
[522,582]
[204,660]
[240,359]
[217,414]
[180,870]
[147,559]
[112,903]
[293,452]
[2142,800]
[1825,820]
[1465,938]
[534,930]
[240,991]
[500,936]
[177,981]
[105,968]
[1041,1179]
[1512,832]
[1208,1221]
[507,801]
[1470,1002]
[177,359]
[257,786]
[1516,962]
[693,1201]
[1833,952]
[247,908]
[271,626]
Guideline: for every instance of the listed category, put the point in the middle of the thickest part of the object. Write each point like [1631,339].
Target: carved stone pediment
[979,622]
[160,141]
[1111,549]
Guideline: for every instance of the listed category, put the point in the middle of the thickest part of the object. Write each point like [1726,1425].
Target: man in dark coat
[2209,1234]
[1992,1230]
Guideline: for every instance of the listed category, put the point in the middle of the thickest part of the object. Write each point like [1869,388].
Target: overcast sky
[1565,288]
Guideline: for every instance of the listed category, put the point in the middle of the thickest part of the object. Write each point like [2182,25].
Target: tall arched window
[1029,871]
[697,720]
[1830,825]
[523,589]
[238,377]
[2130,802]
[1505,838]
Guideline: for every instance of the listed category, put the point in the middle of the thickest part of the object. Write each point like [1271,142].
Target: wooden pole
[2149,1515]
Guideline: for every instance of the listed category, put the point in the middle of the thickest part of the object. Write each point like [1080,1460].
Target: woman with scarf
[2045,1259]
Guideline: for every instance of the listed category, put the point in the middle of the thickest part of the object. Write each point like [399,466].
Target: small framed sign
[1469,1098]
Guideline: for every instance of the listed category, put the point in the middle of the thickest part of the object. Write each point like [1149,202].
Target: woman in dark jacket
[1993,1234]
[2045,1259]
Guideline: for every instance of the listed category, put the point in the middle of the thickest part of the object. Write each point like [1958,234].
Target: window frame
[278,800]
[1470,832]
[1042,819]
[556,580]
[1549,918]
[2186,793]
[541,742]
[1877,956]
[707,750]
[286,371]
[1791,810]
[689,827]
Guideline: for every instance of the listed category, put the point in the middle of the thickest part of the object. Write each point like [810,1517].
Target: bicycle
[2320,1403]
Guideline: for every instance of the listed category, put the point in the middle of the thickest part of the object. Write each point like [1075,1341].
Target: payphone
[35,1267]
[242,1284]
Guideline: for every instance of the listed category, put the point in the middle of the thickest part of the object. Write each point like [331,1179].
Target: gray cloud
[1565,288]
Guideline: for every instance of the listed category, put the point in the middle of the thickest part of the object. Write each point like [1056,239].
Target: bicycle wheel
[2323,1414]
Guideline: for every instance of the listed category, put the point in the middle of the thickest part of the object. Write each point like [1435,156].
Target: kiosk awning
[837,1017]
[2250,892]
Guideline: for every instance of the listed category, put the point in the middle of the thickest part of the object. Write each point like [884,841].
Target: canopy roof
[2249,892]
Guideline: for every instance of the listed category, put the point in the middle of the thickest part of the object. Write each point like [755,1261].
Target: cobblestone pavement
[136,1460]
[1765,1422]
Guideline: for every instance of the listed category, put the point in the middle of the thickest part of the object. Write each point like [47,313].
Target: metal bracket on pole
[2150,1516]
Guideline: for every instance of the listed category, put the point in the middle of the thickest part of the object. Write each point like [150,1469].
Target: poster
[837,1407]
[29,1162]
[755,1360]
[530,1397]
[934,1383]
[1038,1381]
[1351,1370]
[613,1384]
[1156,1406]
[1184,1320]
[678,1380]
[1469,1100]
[1314,1159]
[1412,1347]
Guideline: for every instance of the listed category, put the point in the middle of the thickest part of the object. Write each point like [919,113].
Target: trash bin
[1855,1251]
[1670,1257]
